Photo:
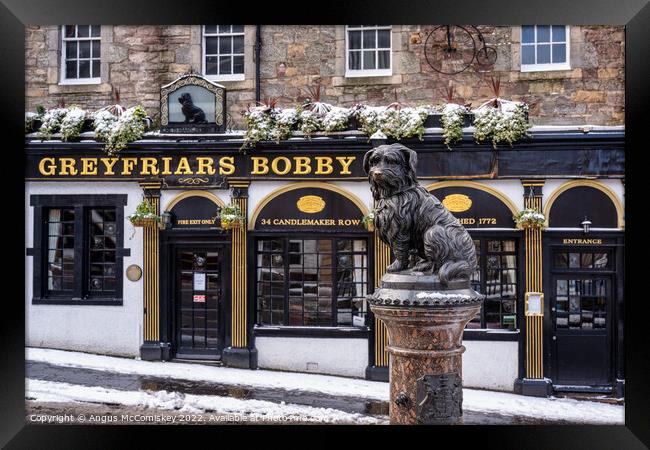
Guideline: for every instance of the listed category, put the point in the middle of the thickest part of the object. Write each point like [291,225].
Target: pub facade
[287,288]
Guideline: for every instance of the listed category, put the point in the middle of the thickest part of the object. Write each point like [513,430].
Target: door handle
[554,338]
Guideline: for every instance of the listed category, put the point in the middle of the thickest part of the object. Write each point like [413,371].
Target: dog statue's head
[185,99]
[390,168]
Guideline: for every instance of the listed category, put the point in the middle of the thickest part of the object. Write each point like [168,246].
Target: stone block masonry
[138,60]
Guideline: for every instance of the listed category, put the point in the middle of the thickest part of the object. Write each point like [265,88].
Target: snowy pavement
[474,401]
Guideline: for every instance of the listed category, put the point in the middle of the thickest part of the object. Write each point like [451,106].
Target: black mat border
[634,14]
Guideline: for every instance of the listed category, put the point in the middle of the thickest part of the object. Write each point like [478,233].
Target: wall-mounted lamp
[586,225]
[166,220]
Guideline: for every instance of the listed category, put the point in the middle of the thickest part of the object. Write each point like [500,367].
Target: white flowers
[395,123]
[72,123]
[528,218]
[52,121]
[505,122]
[453,117]
[118,132]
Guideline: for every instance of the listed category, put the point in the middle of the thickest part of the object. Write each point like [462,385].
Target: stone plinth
[425,323]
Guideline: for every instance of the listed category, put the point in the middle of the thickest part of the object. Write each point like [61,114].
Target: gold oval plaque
[310,204]
[133,272]
[457,202]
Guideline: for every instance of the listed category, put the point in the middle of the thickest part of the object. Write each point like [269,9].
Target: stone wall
[137,60]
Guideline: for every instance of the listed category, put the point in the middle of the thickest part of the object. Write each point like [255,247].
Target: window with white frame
[544,47]
[80,54]
[223,52]
[368,50]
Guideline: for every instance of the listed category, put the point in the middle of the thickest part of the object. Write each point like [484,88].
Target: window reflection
[325,282]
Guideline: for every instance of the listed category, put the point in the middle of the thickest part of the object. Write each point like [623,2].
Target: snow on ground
[473,400]
[226,375]
[55,392]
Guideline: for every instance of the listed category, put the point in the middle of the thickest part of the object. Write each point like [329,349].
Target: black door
[198,302]
[581,310]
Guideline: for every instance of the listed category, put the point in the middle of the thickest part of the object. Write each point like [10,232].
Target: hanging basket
[529,224]
[232,224]
[145,222]
[370,226]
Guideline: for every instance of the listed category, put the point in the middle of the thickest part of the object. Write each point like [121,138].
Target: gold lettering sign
[310,204]
[457,202]
[583,241]
[193,166]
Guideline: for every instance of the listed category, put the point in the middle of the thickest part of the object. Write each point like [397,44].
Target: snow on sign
[199,281]
[199,299]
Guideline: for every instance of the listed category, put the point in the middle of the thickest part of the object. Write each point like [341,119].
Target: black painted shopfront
[305,262]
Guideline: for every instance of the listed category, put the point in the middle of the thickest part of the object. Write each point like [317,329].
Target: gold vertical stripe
[239,282]
[151,294]
[533,269]
[382,260]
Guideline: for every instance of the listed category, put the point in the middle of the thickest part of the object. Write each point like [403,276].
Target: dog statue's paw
[396,266]
[423,266]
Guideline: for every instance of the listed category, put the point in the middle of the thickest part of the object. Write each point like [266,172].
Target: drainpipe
[258,50]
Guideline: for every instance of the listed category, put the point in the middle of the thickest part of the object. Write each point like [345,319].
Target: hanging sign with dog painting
[192,104]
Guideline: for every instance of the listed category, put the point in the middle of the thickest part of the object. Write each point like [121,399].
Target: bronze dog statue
[192,113]
[412,220]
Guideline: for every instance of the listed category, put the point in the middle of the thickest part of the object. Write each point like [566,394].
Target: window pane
[238,28]
[96,49]
[71,69]
[543,33]
[70,31]
[528,54]
[559,33]
[527,34]
[369,60]
[224,65]
[225,45]
[225,28]
[84,49]
[238,44]
[211,45]
[238,64]
[210,29]
[355,61]
[383,38]
[71,50]
[543,54]
[600,260]
[560,261]
[369,39]
[95,30]
[574,260]
[211,65]
[384,59]
[559,53]
[95,69]
[355,39]
[83,30]
[84,69]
